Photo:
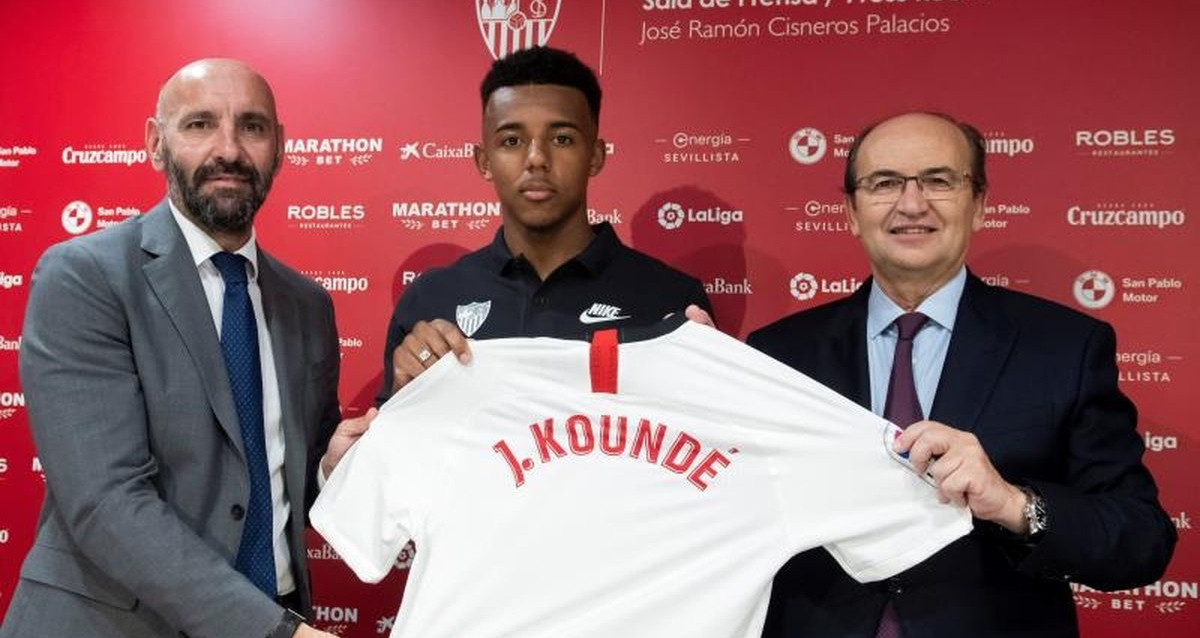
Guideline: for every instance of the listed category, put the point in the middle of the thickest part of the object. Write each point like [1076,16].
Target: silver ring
[424,355]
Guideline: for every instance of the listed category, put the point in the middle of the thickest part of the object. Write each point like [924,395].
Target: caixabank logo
[673,215]
[446,215]
[428,150]
[332,151]
[513,25]
[1096,289]
[1151,141]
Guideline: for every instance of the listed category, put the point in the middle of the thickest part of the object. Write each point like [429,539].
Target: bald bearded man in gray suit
[149,454]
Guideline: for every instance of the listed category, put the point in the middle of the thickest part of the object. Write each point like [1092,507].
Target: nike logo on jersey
[601,312]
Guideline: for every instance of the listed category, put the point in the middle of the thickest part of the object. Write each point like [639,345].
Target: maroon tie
[903,409]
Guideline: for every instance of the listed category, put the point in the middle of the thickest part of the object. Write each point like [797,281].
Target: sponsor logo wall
[734,119]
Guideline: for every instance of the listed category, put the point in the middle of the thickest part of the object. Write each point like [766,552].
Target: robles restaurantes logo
[326,216]
[672,215]
[332,151]
[513,25]
[1147,142]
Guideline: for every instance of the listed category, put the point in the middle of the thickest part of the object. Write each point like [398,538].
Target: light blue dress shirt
[929,347]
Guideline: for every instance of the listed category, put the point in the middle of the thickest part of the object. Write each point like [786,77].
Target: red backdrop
[728,122]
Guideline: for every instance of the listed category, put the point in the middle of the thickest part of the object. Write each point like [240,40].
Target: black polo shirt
[490,293]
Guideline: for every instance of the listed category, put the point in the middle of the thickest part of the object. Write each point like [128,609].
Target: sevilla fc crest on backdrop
[512,25]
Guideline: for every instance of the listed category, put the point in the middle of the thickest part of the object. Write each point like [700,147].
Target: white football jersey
[544,504]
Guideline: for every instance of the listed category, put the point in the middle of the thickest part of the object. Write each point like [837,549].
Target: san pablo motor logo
[513,25]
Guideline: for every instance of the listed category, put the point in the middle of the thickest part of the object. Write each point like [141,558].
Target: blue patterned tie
[239,344]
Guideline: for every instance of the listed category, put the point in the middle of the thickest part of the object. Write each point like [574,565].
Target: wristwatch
[1035,512]
[288,625]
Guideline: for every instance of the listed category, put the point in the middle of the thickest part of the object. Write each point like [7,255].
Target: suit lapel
[282,312]
[847,342]
[172,276]
[979,349]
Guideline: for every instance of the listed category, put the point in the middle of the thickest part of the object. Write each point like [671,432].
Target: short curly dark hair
[543,65]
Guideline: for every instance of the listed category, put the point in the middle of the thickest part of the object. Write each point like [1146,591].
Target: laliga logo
[506,26]
[803,286]
[1094,289]
[77,217]
[9,282]
[670,215]
[807,145]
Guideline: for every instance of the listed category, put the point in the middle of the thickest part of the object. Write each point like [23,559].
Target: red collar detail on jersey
[604,361]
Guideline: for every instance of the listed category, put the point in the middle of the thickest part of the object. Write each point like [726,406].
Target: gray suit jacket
[135,426]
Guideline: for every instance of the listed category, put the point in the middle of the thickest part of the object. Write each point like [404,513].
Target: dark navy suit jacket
[1037,384]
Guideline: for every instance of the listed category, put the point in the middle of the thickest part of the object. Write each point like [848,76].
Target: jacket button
[895,585]
[237,512]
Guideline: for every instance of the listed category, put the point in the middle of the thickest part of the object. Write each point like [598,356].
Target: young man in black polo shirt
[547,272]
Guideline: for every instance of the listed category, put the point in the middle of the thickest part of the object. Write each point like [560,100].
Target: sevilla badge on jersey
[471,316]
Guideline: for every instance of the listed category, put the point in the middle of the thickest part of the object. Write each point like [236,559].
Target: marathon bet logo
[805,286]
[326,216]
[436,151]
[506,27]
[339,281]
[1164,596]
[1121,216]
[701,148]
[10,156]
[332,151]
[103,154]
[672,215]
[445,215]
[1147,142]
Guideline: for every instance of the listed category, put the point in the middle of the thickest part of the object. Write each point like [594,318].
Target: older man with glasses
[1026,425]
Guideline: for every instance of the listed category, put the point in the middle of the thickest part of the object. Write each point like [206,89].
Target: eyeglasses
[934,185]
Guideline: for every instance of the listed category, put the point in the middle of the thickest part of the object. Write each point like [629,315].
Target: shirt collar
[594,257]
[203,246]
[941,307]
